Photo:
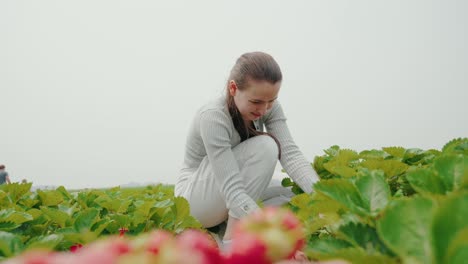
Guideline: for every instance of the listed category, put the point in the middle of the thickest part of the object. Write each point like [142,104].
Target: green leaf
[28,200]
[56,216]
[44,242]
[405,229]
[333,150]
[72,235]
[326,245]
[425,181]
[50,198]
[450,229]
[11,215]
[16,190]
[451,170]
[111,204]
[364,236]
[340,170]
[341,163]
[99,226]
[345,193]
[315,210]
[389,167]
[181,209]
[286,182]
[456,145]
[457,251]
[8,226]
[86,219]
[142,211]
[396,152]
[10,244]
[373,154]
[374,190]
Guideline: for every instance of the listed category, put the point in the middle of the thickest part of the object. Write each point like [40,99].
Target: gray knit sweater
[212,134]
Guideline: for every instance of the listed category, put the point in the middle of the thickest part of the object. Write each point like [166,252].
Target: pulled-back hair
[252,66]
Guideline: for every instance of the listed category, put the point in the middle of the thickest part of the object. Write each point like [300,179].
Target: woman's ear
[232,87]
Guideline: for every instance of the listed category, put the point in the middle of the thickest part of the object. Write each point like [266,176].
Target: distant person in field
[230,158]
[4,178]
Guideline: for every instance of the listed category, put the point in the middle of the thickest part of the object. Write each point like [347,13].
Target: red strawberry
[276,229]
[198,242]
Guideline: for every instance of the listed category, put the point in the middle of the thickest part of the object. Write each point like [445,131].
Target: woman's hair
[2,166]
[253,66]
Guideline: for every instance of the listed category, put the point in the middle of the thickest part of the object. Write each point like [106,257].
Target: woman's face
[256,99]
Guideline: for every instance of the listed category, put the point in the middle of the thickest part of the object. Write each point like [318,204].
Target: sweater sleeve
[292,159]
[216,133]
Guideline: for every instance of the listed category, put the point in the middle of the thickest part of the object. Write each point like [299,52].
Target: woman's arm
[292,159]
[216,133]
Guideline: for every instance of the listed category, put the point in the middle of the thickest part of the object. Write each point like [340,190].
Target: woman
[229,159]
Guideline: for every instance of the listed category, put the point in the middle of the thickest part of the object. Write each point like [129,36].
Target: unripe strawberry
[278,229]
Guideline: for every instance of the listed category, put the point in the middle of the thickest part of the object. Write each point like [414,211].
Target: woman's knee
[267,148]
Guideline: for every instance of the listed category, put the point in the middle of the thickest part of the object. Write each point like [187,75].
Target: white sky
[101,93]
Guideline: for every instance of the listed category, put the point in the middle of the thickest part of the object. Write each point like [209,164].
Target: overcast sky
[101,93]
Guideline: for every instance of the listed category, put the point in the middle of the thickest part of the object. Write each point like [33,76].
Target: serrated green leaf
[181,209]
[451,170]
[73,236]
[111,204]
[340,170]
[86,219]
[315,210]
[99,226]
[10,244]
[64,193]
[457,251]
[425,181]
[373,154]
[405,229]
[455,145]
[449,229]
[35,213]
[122,220]
[396,152]
[11,215]
[44,242]
[364,236]
[389,167]
[56,216]
[333,150]
[8,226]
[163,204]
[374,190]
[69,210]
[341,163]
[49,198]
[28,200]
[345,193]
[286,182]
[16,190]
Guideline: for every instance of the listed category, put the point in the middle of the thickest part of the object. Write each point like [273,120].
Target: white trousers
[256,164]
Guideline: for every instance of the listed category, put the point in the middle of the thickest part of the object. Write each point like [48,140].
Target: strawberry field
[393,205]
